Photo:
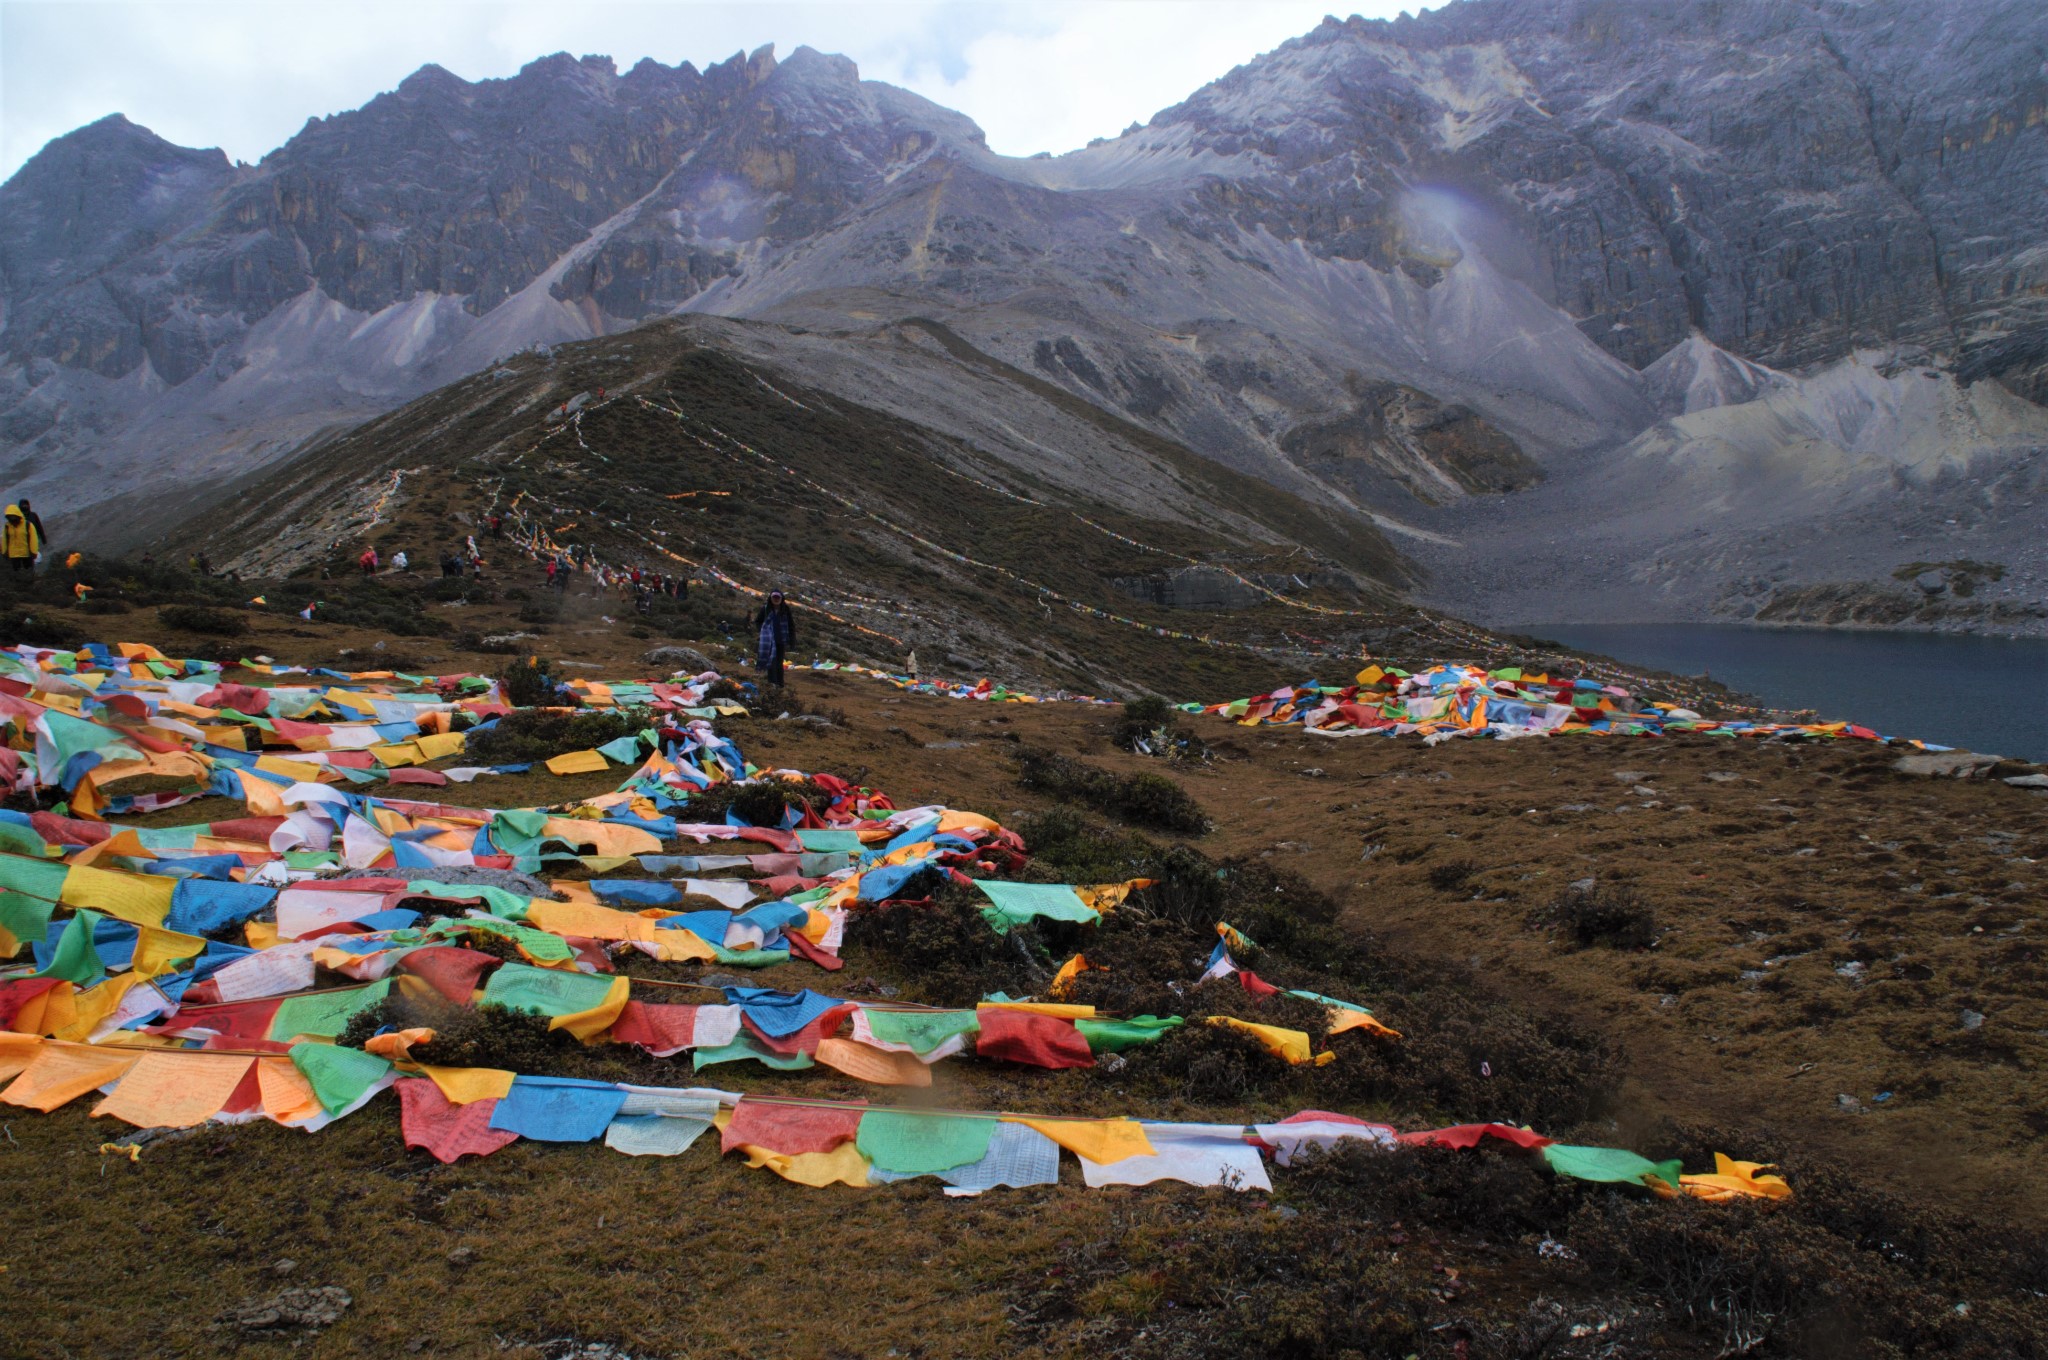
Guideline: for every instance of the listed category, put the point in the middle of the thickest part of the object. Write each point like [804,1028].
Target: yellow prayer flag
[578,762]
[461,1085]
[843,1165]
[139,899]
[1095,1140]
[1058,1010]
[1290,1044]
[436,745]
[590,1026]
[156,950]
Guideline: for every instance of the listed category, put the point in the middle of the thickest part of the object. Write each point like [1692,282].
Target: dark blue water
[1983,694]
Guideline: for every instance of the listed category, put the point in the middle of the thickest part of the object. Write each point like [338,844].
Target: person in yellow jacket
[20,541]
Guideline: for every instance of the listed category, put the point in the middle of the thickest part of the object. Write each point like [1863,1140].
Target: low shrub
[762,802]
[531,683]
[1451,875]
[200,618]
[1144,799]
[1613,914]
[945,950]
[1150,726]
[531,734]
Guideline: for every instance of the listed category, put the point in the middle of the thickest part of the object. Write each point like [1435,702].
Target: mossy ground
[1418,881]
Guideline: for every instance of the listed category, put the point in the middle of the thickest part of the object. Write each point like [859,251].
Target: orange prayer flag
[175,1090]
[63,1072]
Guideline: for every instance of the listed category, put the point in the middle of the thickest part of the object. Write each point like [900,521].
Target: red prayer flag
[1468,1135]
[660,1029]
[449,969]
[790,1129]
[1028,1037]
[447,1130]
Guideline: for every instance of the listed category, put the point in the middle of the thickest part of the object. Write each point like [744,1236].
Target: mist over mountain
[1600,309]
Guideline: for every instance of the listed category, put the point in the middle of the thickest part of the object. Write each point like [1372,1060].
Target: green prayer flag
[25,918]
[922,1030]
[537,943]
[822,839]
[548,991]
[22,840]
[502,902]
[75,959]
[34,877]
[1014,904]
[517,832]
[747,1047]
[1614,1165]
[338,1075]
[915,1143]
[324,1014]
[621,750]
[1114,1036]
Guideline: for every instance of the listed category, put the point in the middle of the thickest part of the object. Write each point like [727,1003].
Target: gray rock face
[1501,250]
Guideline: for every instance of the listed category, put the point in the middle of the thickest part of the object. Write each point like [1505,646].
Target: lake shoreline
[1951,689]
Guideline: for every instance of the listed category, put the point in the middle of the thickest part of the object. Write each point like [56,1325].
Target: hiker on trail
[20,541]
[497,526]
[450,566]
[35,522]
[202,565]
[775,628]
[469,545]
[554,571]
[368,561]
[399,562]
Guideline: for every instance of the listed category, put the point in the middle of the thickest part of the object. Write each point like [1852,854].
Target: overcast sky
[244,75]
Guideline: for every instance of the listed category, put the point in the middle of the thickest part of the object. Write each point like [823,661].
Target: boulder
[1947,764]
[679,659]
[2029,781]
[1931,582]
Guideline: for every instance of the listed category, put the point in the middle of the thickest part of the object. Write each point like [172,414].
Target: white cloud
[245,75]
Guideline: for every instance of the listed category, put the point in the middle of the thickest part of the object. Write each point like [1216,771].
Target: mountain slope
[1019,531]
[1403,268]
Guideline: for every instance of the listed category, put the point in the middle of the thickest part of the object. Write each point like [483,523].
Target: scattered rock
[1630,776]
[1848,1104]
[1947,764]
[1723,776]
[283,1266]
[1973,1020]
[2029,781]
[1582,885]
[724,980]
[462,1256]
[321,1307]
[1931,582]
[679,659]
